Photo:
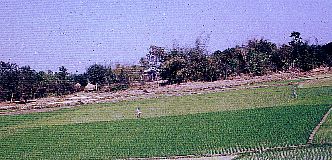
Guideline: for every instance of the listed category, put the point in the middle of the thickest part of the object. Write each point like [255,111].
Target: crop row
[321,152]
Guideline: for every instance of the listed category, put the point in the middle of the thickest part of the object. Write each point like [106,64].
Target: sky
[47,34]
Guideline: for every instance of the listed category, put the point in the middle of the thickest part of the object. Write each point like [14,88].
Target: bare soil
[152,90]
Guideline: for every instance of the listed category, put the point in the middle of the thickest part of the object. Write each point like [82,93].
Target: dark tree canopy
[257,57]
[96,74]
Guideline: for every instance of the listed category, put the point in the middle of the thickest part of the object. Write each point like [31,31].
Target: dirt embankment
[151,90]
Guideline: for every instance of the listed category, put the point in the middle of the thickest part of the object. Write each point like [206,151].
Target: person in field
[138,112]
[294,94]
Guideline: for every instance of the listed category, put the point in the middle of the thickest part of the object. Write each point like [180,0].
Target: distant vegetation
[176,65]
[24,83]
[257,57]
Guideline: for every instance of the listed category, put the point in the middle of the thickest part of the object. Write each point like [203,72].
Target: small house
[90,87]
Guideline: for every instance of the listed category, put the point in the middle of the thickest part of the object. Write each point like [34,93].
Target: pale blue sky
[46,34]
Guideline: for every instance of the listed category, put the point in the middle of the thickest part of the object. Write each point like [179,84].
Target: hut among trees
[90,87]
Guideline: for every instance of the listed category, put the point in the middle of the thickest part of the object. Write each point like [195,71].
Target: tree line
[176,65]
[257,57]
[23,83]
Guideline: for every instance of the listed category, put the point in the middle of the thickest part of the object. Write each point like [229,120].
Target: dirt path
[214,157]
[151,90]
[207,158]
[227,157]
[312,135]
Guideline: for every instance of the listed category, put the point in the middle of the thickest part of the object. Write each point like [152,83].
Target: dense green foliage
[227,132]
[24,83]
[99,74]
[257,57]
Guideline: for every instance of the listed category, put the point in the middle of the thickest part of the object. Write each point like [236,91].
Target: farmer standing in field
[138,112]
[294,94]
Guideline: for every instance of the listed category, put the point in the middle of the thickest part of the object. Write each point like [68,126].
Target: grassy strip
[13,120]
[9,124]
[324,134]
[166,136]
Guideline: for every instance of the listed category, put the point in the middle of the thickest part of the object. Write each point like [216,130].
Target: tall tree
[259,56]
[326,55]
[97,74]
[228,62]
[9,75]
[82,79]
[303,56]
[28,83]
[64,85]
[281,59]
[110,76]
[297,46]
[197,65]
[174,68]
[63,73]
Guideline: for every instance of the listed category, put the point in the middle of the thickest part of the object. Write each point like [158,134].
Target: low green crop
[228,131]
